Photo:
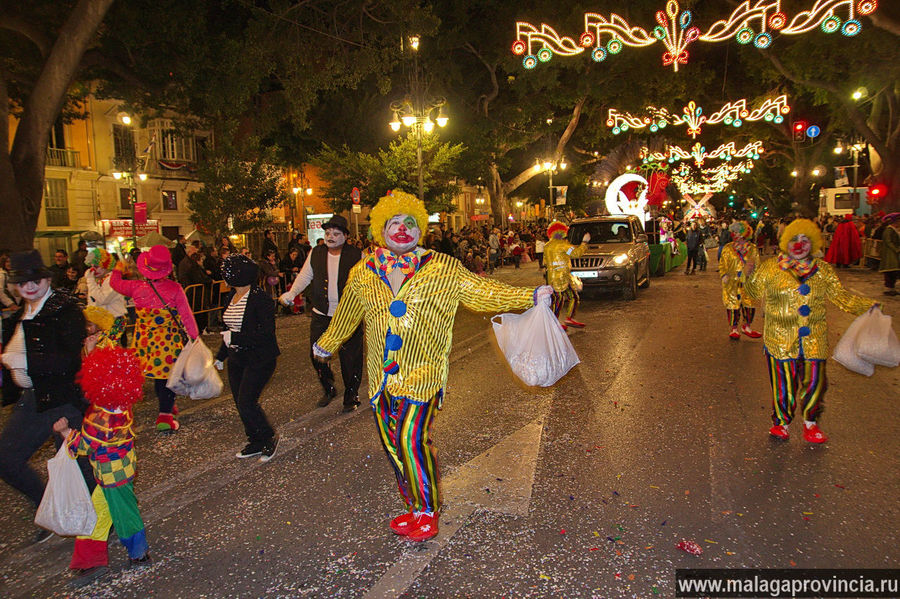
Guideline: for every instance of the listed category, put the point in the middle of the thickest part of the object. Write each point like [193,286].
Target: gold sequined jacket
[795,309]
[408,336]
[731,265]
[557,258]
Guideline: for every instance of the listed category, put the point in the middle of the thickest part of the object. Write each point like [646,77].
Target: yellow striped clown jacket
[557,258]
[733,295]
[795,308]
[408,336]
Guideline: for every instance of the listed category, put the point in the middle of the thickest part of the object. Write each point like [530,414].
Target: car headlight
[621,259]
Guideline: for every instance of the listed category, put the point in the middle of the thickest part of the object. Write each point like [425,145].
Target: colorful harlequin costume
[795,333]
[408,304]
[111,379]
[558,254]
[733,267]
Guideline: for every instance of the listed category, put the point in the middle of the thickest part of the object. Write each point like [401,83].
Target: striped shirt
[234,314]
[409,334]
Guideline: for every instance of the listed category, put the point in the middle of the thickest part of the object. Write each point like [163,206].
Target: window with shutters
[56,204]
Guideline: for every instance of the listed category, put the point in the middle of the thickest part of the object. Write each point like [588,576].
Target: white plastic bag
[193,373]
[535,345]
[845,350]
[877,343]
[66,508]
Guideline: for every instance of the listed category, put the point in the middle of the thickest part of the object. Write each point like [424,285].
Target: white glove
[219,364]
[286,298]
[544,293]
[725,279]
[226,336]
[319,353]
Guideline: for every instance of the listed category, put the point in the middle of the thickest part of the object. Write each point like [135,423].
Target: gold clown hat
[396,202]
[802,226]
[100,317]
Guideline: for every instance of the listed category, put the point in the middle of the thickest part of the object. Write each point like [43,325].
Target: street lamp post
[302,188]
[550,167]
[415,113]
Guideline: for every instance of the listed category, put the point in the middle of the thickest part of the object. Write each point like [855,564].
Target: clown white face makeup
[32,291]
[334,238]
[401,233]
[799,247]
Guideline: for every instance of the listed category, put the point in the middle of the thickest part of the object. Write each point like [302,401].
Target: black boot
[351,401]
[329,394]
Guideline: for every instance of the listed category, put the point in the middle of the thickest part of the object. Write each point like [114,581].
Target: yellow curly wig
[802,226]
[390,206]
[100,317]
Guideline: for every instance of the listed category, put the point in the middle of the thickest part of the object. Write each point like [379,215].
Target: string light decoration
[726,152]
[749,23]
[733,114]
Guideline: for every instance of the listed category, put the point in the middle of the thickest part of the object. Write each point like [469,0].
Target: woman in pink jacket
[164,320]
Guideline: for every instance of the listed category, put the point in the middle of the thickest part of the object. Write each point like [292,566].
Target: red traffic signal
[799,130]
[877,191]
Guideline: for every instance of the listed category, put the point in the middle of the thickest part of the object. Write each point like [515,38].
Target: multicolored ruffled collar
[803,269]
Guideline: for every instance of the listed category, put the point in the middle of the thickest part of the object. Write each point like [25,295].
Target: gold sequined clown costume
[558,254]
[738,258]
[794,287]
[407,297]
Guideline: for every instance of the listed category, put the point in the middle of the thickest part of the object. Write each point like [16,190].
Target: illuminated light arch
[733,114]
[751,22]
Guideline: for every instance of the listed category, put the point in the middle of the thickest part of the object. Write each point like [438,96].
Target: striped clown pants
[796,381]
[568,298]
[734,316]
[115,506]
[405,429]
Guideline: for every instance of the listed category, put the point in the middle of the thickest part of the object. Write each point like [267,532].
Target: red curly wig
[111,378]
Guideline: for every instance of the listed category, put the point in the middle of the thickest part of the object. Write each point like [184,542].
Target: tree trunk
[22,167]
[497,193]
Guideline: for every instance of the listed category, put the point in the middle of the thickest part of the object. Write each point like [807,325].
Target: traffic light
[800,130]
[877,192]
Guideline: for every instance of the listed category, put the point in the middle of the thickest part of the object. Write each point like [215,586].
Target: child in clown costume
[738,259]
[101,294]
[408,297]
[112,380]
[557,258]
[794,287]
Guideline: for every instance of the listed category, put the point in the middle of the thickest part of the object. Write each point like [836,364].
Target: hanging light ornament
[748,23]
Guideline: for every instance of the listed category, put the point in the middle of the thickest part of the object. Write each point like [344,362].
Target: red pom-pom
[112,378]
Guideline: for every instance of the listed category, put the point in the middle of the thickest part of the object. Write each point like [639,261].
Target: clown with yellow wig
[794,287]
[408,297]
[558,254]
[99,292]
[738,259]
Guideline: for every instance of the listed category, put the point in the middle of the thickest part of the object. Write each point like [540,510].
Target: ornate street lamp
[415,113]
[303,188]
[551,168]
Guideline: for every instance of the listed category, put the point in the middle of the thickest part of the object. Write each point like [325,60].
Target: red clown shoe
[734,334]
[426,527]
[750,332]
[574,323]
[814,434]
[779,432]
[401,525]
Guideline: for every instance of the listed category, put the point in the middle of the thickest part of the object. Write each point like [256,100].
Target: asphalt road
[578,490]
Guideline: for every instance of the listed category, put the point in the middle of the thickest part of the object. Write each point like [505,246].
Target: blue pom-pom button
[397,308]
[393,342]
[803,332]
[740,272]
[803,310]
[803,289]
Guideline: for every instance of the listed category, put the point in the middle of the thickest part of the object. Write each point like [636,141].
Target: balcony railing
[63,157]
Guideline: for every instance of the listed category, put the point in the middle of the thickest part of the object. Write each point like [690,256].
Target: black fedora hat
[339,222]
[27,266]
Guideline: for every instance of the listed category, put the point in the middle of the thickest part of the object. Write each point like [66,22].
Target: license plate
[586,274]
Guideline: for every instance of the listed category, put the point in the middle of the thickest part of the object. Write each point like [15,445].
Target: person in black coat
[250,346]
[42,349]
